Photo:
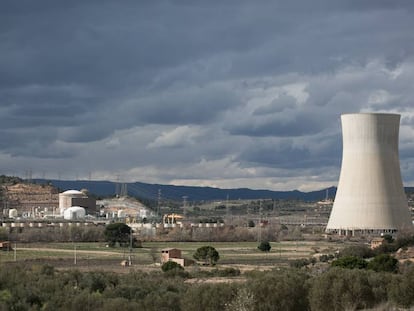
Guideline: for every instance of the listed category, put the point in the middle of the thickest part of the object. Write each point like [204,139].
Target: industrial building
[72,198]
[74,213]
[370,198]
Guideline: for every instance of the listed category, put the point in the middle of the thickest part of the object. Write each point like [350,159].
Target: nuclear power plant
[370,198]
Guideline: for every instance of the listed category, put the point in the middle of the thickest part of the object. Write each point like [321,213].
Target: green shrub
[360,251]
[383,262]
[264,246]
[171,265]
[344,289]
[350,262]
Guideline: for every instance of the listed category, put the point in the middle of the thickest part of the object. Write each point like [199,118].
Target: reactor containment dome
[370,198]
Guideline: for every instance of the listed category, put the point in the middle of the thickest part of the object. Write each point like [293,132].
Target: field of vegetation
[31,285]
[95,254]
[292,275]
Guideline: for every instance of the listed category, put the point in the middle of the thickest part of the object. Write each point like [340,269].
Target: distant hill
[176,193]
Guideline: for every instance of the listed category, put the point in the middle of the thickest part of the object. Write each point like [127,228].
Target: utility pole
[130,248]
[228,212]
[185,204]
[74,254]
[260,222]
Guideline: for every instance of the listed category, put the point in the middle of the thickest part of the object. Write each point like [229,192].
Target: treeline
[44,288]
[73,233]
[94,233]
[9,179]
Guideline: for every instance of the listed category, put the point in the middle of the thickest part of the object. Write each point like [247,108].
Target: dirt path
[46,249]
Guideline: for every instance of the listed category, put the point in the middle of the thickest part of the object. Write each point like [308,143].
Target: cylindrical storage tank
[370,194]
[13,213]
[74,212]
[121,214]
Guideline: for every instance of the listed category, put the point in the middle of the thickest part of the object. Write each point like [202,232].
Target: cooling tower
[370,197]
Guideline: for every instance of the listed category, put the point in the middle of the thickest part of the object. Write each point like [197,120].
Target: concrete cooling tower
[370,198]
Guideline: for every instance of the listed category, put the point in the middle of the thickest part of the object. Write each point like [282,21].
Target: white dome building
[74,212]
[66,199]
[13,213]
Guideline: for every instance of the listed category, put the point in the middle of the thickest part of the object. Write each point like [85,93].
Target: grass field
[97,255]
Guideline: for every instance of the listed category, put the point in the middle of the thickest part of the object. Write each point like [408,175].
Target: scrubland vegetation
[355,278]
[41,287]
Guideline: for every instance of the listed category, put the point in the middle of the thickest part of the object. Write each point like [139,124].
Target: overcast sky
[213,93]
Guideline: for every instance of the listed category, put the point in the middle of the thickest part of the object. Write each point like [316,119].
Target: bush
[279,290]
[350,262]
[228,272]
[402,289]
[344,289]
[299,263]
[264,246]
[326,258]
[208,297]
[171,265]
[383,262]
[360,251]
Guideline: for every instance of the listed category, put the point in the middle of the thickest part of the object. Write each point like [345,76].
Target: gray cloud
[222,93]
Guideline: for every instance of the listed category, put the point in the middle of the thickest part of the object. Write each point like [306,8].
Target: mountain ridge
[192,193]
[177,193]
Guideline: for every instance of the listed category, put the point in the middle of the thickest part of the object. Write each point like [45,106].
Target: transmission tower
[185,204]
[159,202]
[259,236]
[124,190]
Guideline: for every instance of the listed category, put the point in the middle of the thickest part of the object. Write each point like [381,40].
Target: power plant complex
[370,198]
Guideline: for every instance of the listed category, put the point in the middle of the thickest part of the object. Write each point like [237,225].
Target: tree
[208,254]
[117,232]
[264,246]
